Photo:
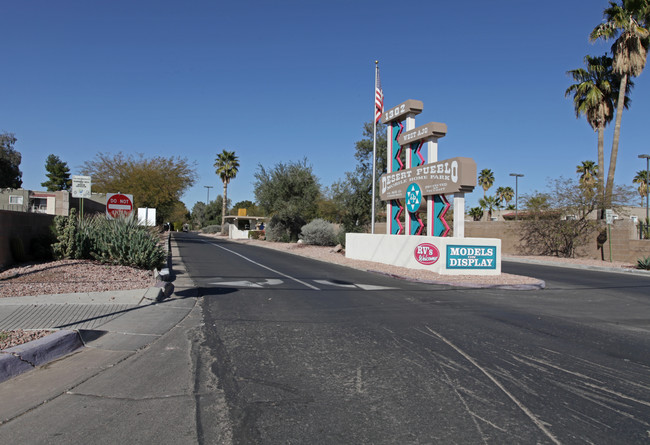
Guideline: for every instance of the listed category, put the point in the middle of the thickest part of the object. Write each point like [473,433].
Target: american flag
[379,98]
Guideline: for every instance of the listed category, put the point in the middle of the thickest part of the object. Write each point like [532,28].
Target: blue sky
[279,81]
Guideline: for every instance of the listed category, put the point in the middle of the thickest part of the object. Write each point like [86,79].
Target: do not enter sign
[118,205]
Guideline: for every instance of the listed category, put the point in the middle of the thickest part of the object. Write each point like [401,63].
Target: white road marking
[353,286]
[327,282]
[266,267]
[373,287]
[246,283]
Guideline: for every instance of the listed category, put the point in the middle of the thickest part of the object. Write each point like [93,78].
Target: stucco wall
[625,246]
[21,225]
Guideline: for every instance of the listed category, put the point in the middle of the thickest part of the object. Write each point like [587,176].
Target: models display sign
[448,176]
[471,257]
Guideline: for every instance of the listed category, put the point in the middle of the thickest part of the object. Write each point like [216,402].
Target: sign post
[118,205]
[81,188]
[609,218]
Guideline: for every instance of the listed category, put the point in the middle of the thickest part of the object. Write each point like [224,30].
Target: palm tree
[588,172]
[476,213]
[488,203]
[227,166]
[641,178]
[505,194]
[627,24]
[594,95]
[486,180]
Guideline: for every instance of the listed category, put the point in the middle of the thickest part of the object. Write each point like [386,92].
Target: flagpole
[374,151]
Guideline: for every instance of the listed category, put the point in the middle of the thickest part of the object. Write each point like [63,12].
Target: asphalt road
[309,352]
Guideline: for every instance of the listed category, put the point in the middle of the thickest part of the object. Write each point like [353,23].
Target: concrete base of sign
[235,233]
[447,256]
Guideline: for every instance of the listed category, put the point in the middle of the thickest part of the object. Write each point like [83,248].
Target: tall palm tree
[641,178]
[507,194]
[627,23]
[486,180]
[594,95]
[499,196]
[588,172]
[227,167]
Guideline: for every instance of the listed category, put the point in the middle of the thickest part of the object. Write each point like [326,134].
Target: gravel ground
[69,276]
[61,277]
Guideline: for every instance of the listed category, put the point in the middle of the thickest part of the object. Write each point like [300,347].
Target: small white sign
[81,186]
[609,216]
[146,216]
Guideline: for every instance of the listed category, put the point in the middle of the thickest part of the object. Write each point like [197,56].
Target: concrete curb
[22,358]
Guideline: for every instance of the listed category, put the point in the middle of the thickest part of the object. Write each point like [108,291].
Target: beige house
[50,203]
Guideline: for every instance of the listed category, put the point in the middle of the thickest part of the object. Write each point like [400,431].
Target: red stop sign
[118,205]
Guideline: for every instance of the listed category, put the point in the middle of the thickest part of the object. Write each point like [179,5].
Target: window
[16,199]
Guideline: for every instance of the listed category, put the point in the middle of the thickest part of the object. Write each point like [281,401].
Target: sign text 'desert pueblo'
[448,176]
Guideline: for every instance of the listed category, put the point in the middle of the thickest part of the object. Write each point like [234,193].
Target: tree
[156,182]
[561,224]
[488,203]
[289,193]
[588,171]
[627,24]
[58,174]
[641,178]
[227,166]
[476,213]
[179,214]
[504,194]
[251,208]
[198,214]
[486,180]
[594,96]
[10,174]
[213,211]
[353,194]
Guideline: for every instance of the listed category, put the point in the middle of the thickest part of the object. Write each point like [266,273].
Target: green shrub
[277,232]
[65,230]
[17,250]
[256,234]
[122,241]
[119,241]
[215,228]
[319,233]
[643,263]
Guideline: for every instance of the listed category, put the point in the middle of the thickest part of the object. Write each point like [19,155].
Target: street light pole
[208,187]
[647,185]
[517,176]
